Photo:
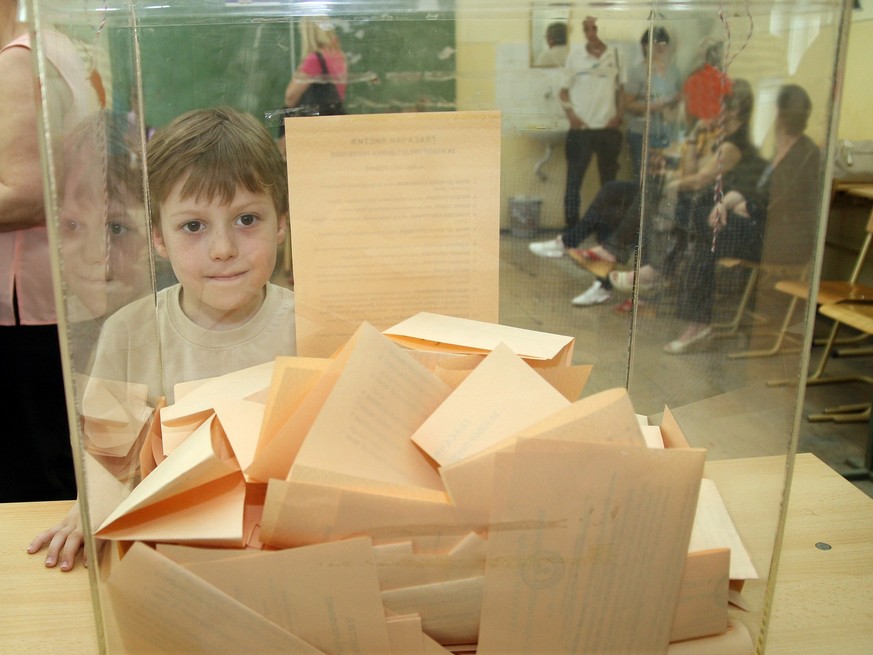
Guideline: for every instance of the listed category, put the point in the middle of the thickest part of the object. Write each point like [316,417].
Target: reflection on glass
[731,171]
[549,36]
[101,227]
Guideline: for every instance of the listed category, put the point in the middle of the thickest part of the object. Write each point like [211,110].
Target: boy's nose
[94,248]
[222,245]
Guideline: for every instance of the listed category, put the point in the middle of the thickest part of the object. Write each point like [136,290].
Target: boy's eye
[192,226]
[116,229]
[247,219]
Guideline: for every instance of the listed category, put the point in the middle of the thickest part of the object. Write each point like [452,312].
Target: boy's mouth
[221,277]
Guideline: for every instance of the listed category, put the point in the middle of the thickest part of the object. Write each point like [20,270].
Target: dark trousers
[741,237]
[580,147]
[614,201]
[37,462]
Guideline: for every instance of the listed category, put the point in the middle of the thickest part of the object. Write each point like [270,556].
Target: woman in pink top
[318,37]
[37,464]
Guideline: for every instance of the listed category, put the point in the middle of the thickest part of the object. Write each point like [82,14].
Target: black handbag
[321,98]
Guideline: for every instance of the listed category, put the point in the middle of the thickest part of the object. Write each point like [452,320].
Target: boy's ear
[281,228]
[158,241]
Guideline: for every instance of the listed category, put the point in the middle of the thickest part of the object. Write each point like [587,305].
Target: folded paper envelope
[326,594]
[114,414]
[569,380]
[714,528]
[364,427]
[405,635]
[180,419]
[702,607]
[358,417]
[399,570]
[587,542]
[275,455]
[605,417]
[197,495]
[236,385]
[449,610]
[299,514]
[500,397]
[293,378]
[241,422]
[163,608]
[437,332]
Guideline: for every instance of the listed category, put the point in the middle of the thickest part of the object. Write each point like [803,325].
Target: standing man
[591,98]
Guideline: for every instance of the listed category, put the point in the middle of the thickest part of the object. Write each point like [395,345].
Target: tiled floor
[723,404]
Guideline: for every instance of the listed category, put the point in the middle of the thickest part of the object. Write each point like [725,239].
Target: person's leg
[608,147]
[38,462]
[578,153]
[603,214]
[739,238]
[623,239]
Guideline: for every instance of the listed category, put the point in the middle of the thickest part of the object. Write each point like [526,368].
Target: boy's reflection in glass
[102,231]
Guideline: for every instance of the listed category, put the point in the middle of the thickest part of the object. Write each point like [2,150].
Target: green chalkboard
[395,64]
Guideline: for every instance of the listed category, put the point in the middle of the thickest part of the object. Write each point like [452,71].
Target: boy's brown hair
[218,150]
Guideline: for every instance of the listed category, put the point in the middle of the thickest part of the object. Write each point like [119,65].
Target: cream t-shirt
[155,344]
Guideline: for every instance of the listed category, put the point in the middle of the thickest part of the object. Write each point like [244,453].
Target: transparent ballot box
[500,373]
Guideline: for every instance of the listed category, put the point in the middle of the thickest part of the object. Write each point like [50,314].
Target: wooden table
[822,605]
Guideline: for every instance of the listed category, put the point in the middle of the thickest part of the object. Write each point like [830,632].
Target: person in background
[591,99]
[323,62]
[773,220]
[555,55]
[732,161]
[658,105]
[219,193]
[319,37]
[614,214]
[706,87]
[37,462]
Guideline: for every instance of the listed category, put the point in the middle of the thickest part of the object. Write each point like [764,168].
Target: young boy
[219,200]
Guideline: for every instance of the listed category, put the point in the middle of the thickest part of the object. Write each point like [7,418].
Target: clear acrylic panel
[734,108]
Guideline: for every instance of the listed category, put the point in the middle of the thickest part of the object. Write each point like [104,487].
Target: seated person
[773,221]
[732,158]
[616,226]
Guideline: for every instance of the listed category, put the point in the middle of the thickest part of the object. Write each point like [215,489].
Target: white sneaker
[594,295]
[552,248]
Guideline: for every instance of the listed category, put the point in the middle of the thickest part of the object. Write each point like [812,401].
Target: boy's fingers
[70,550]
[41,540]
[55,547]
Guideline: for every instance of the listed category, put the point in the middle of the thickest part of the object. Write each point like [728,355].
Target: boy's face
[222,254]
[103,243]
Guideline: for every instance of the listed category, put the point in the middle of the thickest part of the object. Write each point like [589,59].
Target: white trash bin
[524,216]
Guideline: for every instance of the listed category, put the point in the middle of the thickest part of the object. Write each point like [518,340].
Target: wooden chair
[730,327]
[858,315]
[829,292]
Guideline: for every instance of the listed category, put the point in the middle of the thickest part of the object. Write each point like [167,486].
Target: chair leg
[777,344]
[857,351]
[731,327]
[818,376]
[857,413]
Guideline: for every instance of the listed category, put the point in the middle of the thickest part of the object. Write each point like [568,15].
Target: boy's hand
[64,541]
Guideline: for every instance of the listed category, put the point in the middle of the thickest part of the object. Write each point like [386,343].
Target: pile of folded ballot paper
[439,486]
